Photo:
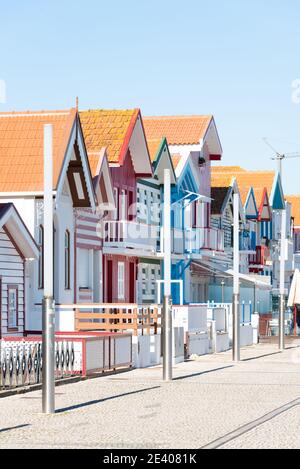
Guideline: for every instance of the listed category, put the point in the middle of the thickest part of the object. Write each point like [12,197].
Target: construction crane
[280,156]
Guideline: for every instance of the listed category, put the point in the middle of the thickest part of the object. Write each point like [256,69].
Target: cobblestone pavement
[210,403]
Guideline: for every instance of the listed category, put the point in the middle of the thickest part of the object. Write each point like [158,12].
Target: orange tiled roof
[153,147]
[258,180]
[106,128]
[21,148]
[179,130]
[295,202]
[176,157]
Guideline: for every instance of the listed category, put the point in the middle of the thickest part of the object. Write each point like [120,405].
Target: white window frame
[12,325]
[123,214]
[115,212]
[121,280]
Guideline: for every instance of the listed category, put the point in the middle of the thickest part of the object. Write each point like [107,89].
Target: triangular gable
[251,210]
[163,161]
[187,181]
[103,184]
[264,212]
[76,170]
[12,223]
[212,140]
[277,201]
[138,148]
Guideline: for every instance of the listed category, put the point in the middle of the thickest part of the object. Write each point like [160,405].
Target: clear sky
[234,59]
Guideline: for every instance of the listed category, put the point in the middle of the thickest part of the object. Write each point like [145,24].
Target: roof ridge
[182,116]
[62,112]
[109,110]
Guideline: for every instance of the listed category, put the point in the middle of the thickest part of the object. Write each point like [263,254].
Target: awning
[222,272]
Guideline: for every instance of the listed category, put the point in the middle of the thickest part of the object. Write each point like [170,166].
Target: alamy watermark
[2,91]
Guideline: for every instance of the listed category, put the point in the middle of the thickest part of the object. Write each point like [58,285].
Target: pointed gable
[277,197]
[103,183]
[265,213]
[161,159]
[183,131]
[119,131]
[251,206]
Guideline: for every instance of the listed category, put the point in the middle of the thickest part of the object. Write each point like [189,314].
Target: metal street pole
[236,285]
[282,283]
[48,385]
[167,306]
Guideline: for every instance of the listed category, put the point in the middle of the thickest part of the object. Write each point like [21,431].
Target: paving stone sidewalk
[211,402]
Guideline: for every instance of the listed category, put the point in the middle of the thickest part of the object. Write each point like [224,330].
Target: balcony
[130,235]
[247,242]
[297,260]
[199,239]
[258,261]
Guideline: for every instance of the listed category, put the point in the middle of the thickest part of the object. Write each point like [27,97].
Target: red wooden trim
[264,205]
[143,175]
[127,138]
[215,157]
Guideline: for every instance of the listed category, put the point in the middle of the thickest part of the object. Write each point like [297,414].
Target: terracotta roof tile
[295,202]
[153,147]
[21,148]
[259,180]
[179,130]
[106,128]
[176,157]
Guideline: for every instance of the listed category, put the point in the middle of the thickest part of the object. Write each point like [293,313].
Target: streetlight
[236,284]
[167,306]
[48,339]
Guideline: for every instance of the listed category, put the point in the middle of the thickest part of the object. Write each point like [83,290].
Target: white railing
[21,362]
[197,239]
[177,241]
[130,234]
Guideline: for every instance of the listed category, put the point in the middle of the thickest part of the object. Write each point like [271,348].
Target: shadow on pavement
[14,428]
[202,373]
[98,401]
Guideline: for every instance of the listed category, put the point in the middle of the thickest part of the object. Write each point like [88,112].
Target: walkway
[211,403]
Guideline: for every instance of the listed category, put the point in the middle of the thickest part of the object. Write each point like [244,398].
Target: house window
[41,256]
[116,197]
[12,307]
[121,281]
[67,260]
[123,205]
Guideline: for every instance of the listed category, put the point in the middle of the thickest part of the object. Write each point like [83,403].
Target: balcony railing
[247,243]
[130,234]
[197,239]
[261,257]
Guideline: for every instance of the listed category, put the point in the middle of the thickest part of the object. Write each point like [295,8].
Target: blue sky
[234,59]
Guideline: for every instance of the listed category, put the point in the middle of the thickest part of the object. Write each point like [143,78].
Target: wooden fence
[117,317]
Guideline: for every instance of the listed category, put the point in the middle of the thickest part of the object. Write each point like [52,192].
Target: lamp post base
[236,329]
[167,339]
[48,383]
